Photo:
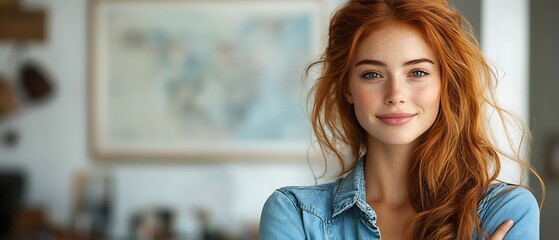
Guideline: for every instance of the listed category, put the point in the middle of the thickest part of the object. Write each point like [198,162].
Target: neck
[386,173]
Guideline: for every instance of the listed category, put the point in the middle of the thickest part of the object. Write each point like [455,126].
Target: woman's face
[394,84]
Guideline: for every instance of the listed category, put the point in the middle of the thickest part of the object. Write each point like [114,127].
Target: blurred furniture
[20,222]
[34,223]
[11,190]
[154,224]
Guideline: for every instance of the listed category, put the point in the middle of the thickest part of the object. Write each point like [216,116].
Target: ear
[348,96]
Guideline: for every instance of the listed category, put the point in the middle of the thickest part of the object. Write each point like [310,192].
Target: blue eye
[419,73]
[370,75]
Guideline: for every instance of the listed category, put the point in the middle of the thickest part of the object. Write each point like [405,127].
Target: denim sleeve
[520,206]
[281,218]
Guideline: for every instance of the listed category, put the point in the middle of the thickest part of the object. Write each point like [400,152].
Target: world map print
[204,74]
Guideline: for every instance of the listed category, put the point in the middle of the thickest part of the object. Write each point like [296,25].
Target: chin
[397,141]
[400,143]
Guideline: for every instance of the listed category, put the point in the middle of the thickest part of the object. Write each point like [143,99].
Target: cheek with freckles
[428,100]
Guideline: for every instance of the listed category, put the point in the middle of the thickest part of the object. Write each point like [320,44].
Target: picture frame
[201,80]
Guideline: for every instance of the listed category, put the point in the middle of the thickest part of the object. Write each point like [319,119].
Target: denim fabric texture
[339,210]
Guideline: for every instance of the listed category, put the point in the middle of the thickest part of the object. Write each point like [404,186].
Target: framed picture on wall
[199,80]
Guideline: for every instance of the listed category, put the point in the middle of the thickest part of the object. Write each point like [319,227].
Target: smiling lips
[396,119]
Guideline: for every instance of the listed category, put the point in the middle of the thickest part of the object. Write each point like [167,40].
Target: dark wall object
[10,138]
[34,82]
[18,24]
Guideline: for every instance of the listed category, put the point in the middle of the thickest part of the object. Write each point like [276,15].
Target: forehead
[393,42]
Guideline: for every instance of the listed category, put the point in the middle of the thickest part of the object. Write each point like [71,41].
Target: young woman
[404,89]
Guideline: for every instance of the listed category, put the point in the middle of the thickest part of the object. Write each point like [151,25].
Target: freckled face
[394,84]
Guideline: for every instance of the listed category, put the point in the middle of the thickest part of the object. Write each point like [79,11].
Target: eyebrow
[382,64]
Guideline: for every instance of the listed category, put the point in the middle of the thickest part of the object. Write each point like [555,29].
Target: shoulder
[314,199]
[283,213]
[505,196]
[505,201]
[309,193]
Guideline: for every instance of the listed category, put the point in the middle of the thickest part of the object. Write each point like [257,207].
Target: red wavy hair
[456,160]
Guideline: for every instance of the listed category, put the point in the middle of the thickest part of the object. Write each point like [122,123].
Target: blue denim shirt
[339,210]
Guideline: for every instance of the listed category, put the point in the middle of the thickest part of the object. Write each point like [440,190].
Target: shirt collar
[351,192]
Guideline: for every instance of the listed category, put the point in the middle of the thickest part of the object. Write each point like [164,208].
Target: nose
[394,92]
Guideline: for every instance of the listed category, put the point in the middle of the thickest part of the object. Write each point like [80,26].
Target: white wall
[233,193]
[505,42]
[53,135]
